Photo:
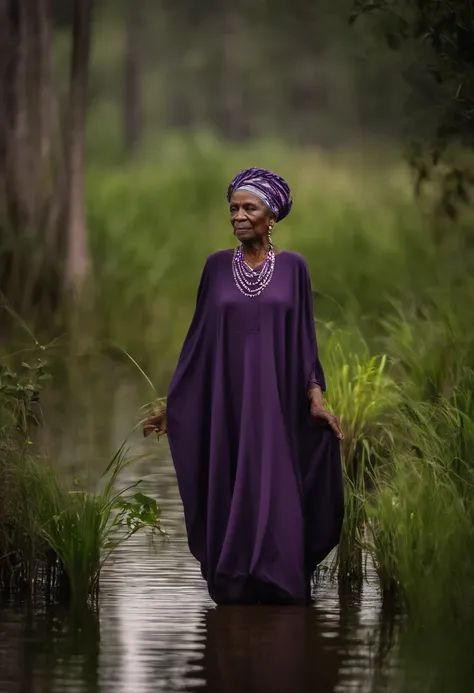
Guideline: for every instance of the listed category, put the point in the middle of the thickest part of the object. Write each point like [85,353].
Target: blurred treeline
[305,72]
[246,69]
[319,72]
[108,84]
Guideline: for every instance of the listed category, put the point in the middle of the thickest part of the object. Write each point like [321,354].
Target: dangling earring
[270,229]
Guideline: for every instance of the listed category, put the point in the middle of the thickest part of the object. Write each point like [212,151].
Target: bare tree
[77,256]
[28,155]
[43,233]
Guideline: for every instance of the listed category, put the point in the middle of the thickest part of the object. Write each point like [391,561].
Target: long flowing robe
[260,480]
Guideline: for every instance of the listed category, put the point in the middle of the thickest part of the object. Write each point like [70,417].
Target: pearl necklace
[249,281]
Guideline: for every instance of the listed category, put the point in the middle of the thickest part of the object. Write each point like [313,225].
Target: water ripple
[158,630]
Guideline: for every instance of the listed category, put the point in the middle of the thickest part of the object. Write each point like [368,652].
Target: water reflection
[43,647]
[154,606]
[270,650]
[157,629]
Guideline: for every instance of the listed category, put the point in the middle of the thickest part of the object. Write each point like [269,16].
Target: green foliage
[360,391]
[430,348]
[88,527]
[448,29]
[364,396]
[421,511]
[19,392]
[408,459]
[441,36]
[51,535]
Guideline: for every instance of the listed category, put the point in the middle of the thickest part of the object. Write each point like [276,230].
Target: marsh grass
[56,537]
[90,526]
[362,393]
[430,347]
[348,564]
[408,465]
[420,515]
[51,536]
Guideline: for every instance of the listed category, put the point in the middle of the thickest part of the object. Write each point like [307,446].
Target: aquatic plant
[361,392]
[88,527]
[408,467]
[420,513]
[50,535]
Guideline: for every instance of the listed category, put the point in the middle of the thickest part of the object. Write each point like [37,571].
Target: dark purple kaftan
[260,481]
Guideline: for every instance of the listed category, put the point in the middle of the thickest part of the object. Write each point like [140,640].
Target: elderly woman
[256,452]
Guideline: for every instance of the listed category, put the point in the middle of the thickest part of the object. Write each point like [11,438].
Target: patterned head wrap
[266,185]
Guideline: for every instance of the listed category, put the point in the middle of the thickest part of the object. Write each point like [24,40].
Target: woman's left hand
[322,416]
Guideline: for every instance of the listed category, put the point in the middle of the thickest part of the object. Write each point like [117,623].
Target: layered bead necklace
[251,282]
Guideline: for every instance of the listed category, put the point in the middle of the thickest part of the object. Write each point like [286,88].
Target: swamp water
[156,628]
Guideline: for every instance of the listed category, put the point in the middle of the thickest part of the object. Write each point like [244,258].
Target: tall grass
[408,463]
[430,345]
[152,226]
[52,536]
[422,510]
[361,392]
[90,526]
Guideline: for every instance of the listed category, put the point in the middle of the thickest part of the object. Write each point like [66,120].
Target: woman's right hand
[155,424]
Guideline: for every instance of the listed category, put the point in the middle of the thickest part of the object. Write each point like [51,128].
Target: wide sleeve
[195,341]
[316,373]
[314,379]
[317,450]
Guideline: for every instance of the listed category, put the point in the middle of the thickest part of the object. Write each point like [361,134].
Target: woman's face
[249,216]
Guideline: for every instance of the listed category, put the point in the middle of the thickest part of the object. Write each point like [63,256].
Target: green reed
[361,392]
[421,512]
[429,344]
[408,465]
[90,526]
[53,536]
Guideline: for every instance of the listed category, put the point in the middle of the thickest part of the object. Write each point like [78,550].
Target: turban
[266,185]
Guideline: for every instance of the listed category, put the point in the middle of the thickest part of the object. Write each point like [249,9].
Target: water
[157,629]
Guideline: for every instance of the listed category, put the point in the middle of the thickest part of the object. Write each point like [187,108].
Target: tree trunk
[5,96]
[28,169]
[17,140]
[77,258]
[43,235]
[132,102]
